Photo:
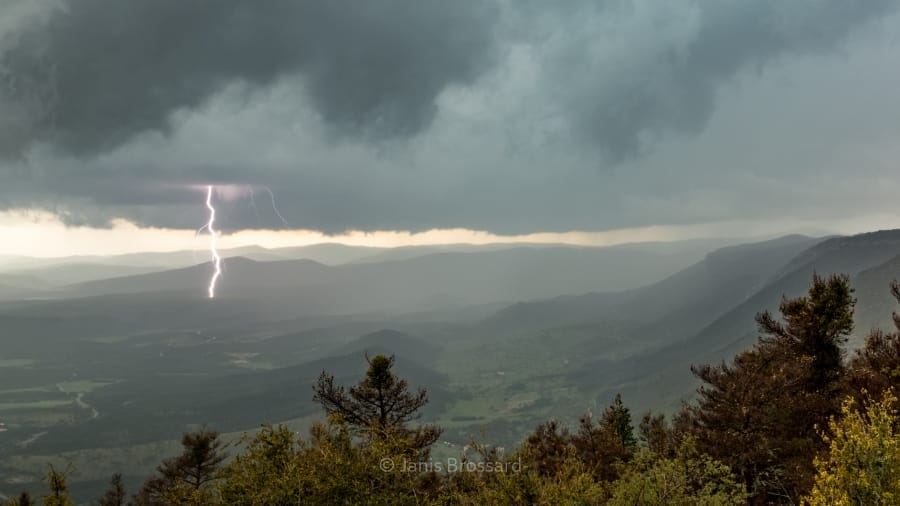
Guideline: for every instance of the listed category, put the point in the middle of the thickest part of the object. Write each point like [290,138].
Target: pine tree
[115,495]
[547,448]
[875,368]
[59,489]
[603,444]
[814,327]
[617,420]
[379,405]
[270,471]
[200,460]
[24,499]
[187,477]
[657,435]
[758,414]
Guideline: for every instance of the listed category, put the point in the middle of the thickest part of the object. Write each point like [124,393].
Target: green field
[16,362]
[81,386]
[26,406]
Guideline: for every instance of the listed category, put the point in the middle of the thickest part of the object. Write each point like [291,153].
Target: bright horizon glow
[40,234]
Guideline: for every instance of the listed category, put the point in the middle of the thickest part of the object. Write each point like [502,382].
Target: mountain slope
[671,308]
[437,281]
[326,253]
[870,260]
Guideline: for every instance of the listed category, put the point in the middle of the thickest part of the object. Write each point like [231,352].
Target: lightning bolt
[253,205]
[216,260]
[274,207]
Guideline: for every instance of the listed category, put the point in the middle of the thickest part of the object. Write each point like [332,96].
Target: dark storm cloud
[98,72]
[412,114]
[619,104]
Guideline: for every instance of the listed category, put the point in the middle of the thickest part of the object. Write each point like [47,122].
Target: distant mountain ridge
[722,279]
[51,274]
[871,260]
[433,281]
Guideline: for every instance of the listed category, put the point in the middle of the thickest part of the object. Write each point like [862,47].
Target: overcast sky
[510,117]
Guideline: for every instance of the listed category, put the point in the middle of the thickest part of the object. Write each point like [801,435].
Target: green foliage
[814,327]
[57,482]
[379,405]
[617,420]
[862,466]
[279,468]
[267,471]
[341,465]
[188,478]
[24,499]
[875,367]
[572,484]
[689,478]
[758,414]
[657,436]
[601,445]
[517,481]
[547,449]
[364,454]
[115,495]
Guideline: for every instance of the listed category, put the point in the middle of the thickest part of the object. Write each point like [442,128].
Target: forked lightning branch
[214,235]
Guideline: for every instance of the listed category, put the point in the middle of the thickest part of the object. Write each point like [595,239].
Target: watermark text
[450,465]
